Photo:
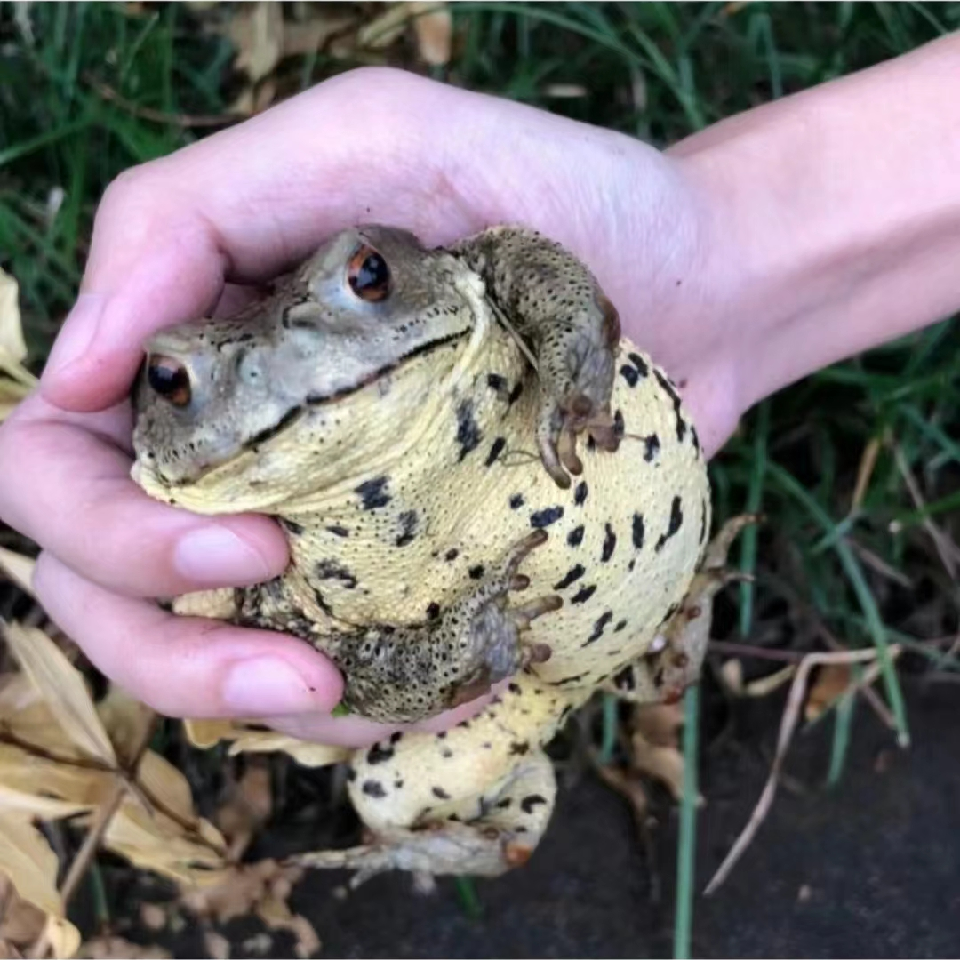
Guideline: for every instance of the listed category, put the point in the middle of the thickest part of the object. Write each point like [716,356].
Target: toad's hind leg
[474,800]
[484,836]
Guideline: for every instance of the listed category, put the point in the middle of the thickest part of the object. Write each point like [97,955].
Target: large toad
[479,479]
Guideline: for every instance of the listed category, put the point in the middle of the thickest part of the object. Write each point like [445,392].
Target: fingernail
[76,335]
[214,555]
[265,687]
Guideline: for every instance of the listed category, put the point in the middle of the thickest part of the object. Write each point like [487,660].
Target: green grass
[797,455]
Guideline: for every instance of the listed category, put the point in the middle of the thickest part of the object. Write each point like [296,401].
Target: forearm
[833,217]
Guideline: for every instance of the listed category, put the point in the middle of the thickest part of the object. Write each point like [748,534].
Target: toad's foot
[675,657]
[494,629]
[504,828]
[555,306]
[404,674]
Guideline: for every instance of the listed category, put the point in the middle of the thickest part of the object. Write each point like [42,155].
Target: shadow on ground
[868,869]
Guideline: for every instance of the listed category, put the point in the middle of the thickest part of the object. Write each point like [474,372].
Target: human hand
[176,237]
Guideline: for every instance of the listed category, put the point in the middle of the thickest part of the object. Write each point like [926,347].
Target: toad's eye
[368,275]
[169,379]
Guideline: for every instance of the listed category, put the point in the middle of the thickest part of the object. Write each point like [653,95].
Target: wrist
[831,218]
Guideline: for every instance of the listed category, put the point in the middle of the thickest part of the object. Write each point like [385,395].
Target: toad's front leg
[561,314]
[397,673]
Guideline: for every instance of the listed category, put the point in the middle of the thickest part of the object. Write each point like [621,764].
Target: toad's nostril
[170,379]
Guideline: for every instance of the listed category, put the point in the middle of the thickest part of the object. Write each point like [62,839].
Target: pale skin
[744,258]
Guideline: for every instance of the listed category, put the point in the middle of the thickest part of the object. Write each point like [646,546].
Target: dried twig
[105,814]
[788,724]
[158,116]
[947,550]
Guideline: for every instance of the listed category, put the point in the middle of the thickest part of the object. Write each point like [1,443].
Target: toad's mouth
[296,411]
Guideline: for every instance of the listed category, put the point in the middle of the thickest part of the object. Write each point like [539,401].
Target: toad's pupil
[371,278]
[170,380]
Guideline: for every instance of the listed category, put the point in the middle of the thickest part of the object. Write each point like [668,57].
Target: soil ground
[870,868]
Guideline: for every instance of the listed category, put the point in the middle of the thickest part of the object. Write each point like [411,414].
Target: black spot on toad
[440,793]
[338,530]
[496,448]
[514,395]
[332,570]
[468,430]
[373,493]
[475,572]
[496,382]
[651,447]
[451,554]
[639,363]
[379,753]
[571,576]
[575,536]
[433,611]
[291,526]
[515,501]
[518,749]
[638,531]
[543,518]
[609,543]
[619,427]
[374,788]
[528,803]
[671,391]
[620,624]
[583,594]
[580,493]
[409,520]
[676,521]
[599,626]
[629,374]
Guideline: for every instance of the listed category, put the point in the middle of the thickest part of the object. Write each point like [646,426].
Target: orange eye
[368,275]
[169,378]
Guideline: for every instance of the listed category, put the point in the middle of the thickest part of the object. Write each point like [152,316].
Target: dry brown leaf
[260,889]
[257,33]
[218,946]
[388,27]
[313,34]
[248,806]
[205,733]
[655,745]
[731,672]
[170,838]
[28,862]
[21,923]
[833,680]
[126,721]
[433,26]
[62,687]
[15,380]
[17,567]
[110,947]
[12,345]
[153,916]
[307,943]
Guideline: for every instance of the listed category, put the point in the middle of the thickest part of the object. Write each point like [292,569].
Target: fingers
[185,666]
[69,489]
[357,732]
[244,204]
[191,667]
